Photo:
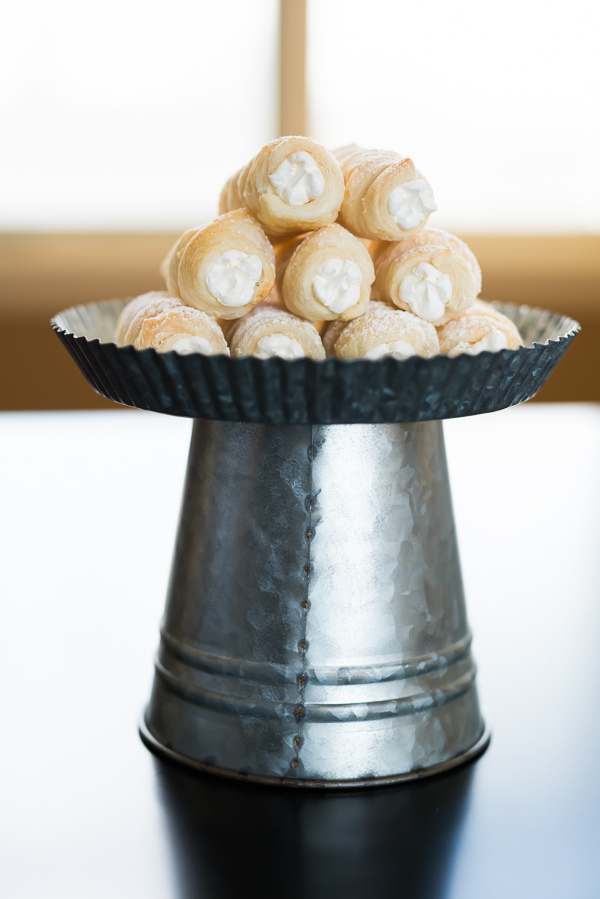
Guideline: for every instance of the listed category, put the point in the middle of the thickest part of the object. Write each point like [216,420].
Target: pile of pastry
[318,253]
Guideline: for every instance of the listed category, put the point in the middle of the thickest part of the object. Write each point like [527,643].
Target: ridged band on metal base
[462,759]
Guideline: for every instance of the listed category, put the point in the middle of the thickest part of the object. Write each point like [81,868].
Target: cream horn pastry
[270,331]
[227,267]
[385,197]
[385,331]
[130,311]
[292,185]
[169,267]
[182,329]
[149,310]
[433,274]
[479,329]
[325,275]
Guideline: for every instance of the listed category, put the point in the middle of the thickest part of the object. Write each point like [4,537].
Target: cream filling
[337,284]
[426,291]
[410,203]
[298,179]
[279,345]
[186,345]
[232,277]
[494,341]
[398,349]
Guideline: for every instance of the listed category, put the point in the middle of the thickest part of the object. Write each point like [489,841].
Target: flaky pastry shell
[155,307]
[163,330]
[251,187]
[299,260]
[131,310]
[396,260]
[237,230]
[457,335]
[381,325]
[169,267]
[370,177]
[268,320]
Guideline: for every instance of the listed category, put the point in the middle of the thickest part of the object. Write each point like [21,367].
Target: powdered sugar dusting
[436,237]
[457,335]
[169,325]
[382,324]
[267,319]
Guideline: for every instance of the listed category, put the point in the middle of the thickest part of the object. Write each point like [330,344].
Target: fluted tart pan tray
[334,391]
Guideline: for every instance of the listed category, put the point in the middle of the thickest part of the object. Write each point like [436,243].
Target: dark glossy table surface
[89,507]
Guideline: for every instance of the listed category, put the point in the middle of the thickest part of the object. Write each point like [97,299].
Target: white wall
[496,102]
[130,113]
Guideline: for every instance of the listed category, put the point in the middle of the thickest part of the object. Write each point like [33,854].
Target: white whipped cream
[186,345]
[399,349]
[278,345]
[426,291]
[298,179]
[410,203]
[232,277]
[494,341]
[337,284]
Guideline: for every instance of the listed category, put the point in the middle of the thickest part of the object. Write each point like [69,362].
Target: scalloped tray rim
[573,328]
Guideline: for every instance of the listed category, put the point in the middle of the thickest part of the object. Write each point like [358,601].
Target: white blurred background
[497,103]
[129,115]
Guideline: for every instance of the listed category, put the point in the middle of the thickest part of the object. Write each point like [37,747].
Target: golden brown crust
[167,327]
[155,307]
[460,334]
[397,260]
[130,311]
[169,267]
[237,230]
[268,320]
[299,260]
[251,187]
[370,177]
[381,326]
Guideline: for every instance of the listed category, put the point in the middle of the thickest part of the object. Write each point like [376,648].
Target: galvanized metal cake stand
[315,631]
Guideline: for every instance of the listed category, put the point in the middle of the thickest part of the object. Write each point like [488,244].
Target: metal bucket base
[315,629]
[470,755]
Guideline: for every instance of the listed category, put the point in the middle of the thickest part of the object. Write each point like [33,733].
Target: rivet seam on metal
[309,504]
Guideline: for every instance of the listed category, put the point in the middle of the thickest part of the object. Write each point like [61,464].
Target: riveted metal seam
[302,643]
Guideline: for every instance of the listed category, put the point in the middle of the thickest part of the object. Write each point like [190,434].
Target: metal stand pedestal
[315,630]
